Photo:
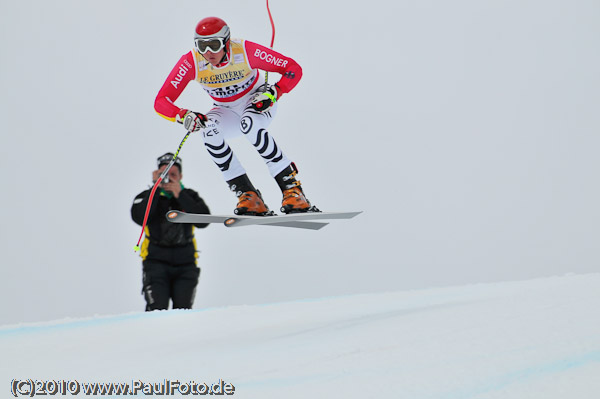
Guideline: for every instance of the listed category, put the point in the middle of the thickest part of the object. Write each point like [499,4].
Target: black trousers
[163,282]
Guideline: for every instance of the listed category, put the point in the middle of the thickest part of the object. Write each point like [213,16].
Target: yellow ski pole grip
[270,96]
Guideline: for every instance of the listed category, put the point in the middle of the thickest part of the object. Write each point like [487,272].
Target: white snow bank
[530,339]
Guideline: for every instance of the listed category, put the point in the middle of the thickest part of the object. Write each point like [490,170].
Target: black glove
[264,100]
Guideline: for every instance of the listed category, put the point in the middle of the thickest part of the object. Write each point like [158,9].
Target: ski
[182,217]
[296,220]
[236,221]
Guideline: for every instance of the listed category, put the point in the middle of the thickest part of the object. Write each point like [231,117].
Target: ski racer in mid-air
[228,70]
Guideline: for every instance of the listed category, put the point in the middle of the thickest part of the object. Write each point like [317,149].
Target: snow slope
[529,339]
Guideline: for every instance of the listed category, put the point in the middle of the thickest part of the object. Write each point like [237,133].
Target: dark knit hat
[167,158]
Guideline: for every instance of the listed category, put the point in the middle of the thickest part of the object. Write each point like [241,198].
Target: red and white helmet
[212,34]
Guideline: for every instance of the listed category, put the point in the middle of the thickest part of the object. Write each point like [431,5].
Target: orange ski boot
[251,203]
[294,200]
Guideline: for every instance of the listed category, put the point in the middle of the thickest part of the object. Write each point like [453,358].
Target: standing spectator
[169,254]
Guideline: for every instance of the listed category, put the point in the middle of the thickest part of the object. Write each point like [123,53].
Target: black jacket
[166,241]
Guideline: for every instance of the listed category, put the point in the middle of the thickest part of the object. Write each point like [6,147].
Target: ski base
[295,220]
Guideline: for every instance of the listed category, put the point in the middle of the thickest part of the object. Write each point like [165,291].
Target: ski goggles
[214,45]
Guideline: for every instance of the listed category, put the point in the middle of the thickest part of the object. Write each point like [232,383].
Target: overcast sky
[467,132]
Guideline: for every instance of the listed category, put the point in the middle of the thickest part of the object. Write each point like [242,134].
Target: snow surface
[530,339]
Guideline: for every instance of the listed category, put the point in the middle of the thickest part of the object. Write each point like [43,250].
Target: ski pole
[156,184]
[272,41]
